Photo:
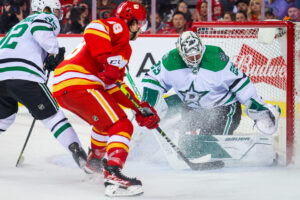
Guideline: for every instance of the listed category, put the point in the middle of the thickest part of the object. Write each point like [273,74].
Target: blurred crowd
[171,16]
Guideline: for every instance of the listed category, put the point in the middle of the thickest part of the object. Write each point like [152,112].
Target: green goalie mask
[191,49]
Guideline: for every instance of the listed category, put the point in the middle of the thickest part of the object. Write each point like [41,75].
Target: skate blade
[118,191]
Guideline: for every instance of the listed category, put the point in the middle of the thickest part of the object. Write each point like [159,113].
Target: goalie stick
[194,166]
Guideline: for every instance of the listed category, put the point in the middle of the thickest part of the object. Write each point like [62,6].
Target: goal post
[268,52]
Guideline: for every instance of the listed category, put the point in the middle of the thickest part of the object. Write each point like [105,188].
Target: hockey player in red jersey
[84,83]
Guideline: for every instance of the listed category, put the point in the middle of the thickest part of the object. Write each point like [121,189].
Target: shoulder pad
[214,59]
[173,61]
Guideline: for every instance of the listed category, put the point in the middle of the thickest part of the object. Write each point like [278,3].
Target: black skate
[78,154]
[94,164]
[118,185]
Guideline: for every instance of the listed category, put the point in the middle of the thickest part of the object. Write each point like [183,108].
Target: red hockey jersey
[102,39]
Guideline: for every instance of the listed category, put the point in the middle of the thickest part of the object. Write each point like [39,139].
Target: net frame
[290,63]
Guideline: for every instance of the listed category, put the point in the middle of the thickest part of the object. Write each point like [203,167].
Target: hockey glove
[266,116]
[110,75]
[148,117]
[53,60]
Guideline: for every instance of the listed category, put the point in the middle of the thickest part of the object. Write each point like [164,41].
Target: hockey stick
[194,166]
[20,158]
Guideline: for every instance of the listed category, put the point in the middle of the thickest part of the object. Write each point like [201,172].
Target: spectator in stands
[76,21]
[229,16]
[269,14]
[227,5]
[241,16]
[254,10]
[279,7]
[294,14]
[201,15]
[179,24]
[183,7]
[137,1]
[106,8]
[242,5]
[160,25]
[13,12]
[86,11]
[217,10]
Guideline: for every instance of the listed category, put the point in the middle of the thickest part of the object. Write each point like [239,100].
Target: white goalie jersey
[25,46]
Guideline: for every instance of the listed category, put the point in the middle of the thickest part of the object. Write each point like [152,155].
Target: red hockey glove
[110,75]
[148,117]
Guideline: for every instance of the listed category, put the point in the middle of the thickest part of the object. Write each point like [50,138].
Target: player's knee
[123,125]
[52,121]
[6,122]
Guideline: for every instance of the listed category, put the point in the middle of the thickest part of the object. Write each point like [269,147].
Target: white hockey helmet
[54,5]
[191,49]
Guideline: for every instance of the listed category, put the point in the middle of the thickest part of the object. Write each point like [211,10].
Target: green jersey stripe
[28,62]
[19,68]
[153,82]
[40,28]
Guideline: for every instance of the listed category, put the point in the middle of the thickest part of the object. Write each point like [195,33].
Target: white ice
[49,173]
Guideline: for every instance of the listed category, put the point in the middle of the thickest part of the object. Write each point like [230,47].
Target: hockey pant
[111,132]
[37,98]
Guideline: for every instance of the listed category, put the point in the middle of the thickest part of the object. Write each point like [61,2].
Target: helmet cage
[191,49]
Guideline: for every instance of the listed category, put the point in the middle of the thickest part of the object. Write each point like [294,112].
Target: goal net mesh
[261,52]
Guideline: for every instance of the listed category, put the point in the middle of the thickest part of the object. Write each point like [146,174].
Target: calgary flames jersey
[102,39]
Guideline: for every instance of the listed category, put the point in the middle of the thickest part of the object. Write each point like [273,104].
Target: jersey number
[16,32]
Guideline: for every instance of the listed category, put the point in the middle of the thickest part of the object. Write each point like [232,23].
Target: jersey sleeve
[97,35]
[44,29]
[154,85]
[238,84]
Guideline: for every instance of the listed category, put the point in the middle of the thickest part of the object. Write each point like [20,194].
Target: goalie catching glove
[53,60]
[266,116]
[147,116]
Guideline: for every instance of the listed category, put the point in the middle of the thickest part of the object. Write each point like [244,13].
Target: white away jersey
[25,46]
[217,83]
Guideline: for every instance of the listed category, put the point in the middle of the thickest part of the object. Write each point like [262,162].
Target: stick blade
[218,164]
[20,162]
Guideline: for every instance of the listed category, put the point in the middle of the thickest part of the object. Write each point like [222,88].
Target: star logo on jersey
[191,96]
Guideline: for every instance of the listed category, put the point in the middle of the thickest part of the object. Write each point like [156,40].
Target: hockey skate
[118,185]
[78,154]
[94,164]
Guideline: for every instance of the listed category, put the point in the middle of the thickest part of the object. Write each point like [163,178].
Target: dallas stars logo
[191,96]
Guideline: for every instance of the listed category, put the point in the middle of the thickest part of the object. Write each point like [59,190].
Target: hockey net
[269,52]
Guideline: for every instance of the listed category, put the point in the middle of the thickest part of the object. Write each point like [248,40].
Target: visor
[143,25]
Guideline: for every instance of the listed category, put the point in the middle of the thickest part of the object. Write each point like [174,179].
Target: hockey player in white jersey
[209,87]
[28,52]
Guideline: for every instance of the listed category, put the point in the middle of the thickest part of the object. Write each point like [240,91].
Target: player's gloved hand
[110,75]
[53,60]
[148,117]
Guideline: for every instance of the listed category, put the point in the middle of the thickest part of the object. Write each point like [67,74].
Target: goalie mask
[54,5]
[190,49]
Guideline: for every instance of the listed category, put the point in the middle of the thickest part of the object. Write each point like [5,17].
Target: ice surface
[49,173]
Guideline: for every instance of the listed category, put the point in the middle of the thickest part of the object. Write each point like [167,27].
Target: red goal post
[268,53]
